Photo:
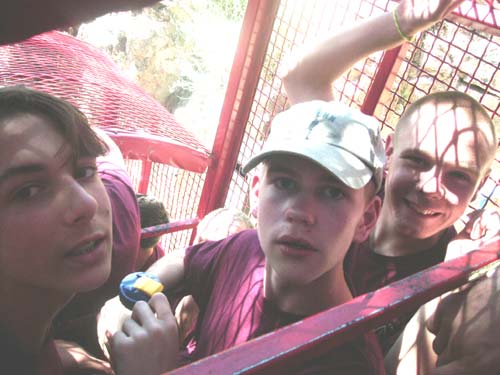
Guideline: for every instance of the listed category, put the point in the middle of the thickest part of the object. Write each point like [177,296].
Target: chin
[94,279]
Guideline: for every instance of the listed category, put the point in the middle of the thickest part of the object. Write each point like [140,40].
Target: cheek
[101,196]
[20,253]
[459,193]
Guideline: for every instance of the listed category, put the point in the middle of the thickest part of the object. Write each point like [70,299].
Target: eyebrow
[471,167]
[21,170]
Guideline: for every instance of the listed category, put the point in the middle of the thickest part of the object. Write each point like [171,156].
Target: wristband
[398,27]
[138,286]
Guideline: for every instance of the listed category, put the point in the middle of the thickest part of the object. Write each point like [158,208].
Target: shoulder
[114,177]
[246,242]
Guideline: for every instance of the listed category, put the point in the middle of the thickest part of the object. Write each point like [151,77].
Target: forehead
[28,139]
[455,134]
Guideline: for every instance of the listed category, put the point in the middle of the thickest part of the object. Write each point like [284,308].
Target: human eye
[284,183]
[333,192]
[85,171]
[461,176]
[27,192]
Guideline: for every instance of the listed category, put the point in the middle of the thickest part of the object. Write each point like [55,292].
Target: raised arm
[309,74]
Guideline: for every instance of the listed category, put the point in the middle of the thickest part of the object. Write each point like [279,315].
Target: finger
[160,305]
[478,229]
[441,321]
[454,4]
[131,327]
[108,344]
[141,312]
[491,225]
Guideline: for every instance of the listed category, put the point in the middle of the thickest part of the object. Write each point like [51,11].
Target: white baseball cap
[341,139]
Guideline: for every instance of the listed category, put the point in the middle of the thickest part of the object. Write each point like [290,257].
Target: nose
[300,210]
[430,183]
[81,205]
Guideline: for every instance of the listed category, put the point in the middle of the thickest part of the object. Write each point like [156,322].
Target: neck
[27,314]
[327,291]
[387,240]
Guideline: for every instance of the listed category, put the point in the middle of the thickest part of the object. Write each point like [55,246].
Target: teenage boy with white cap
[321,168]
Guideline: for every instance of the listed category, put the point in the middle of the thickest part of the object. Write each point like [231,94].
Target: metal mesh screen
[448,56]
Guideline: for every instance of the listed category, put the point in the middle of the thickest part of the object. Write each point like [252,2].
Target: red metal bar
[384,70]
[145,174]
[269,353]
[245,72]
[175,226]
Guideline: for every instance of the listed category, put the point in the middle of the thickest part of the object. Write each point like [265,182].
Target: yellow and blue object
[138,286]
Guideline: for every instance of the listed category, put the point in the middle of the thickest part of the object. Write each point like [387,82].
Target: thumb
[160,305]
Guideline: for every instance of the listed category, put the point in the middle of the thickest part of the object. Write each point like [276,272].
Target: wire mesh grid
[178,189]
[84,75]
[448,56]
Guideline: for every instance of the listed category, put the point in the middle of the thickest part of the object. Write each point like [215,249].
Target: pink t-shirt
[226,279]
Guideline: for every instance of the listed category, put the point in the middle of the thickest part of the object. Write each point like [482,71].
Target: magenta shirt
[226,279]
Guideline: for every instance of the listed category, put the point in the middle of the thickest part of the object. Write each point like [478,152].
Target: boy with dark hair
[152,212]
[56,236]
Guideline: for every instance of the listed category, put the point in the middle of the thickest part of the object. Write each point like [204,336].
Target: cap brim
[341,163]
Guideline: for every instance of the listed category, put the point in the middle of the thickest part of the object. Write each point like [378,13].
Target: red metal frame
[161,229]
[385,69]
[252,46]
[271,353]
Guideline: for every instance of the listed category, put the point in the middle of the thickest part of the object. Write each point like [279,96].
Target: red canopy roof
[72,69]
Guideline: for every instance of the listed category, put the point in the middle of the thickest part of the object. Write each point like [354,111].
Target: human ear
[389,146]
[254,195]
[481,184]
[368,220]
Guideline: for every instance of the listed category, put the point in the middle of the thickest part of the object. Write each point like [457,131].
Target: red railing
[270,353]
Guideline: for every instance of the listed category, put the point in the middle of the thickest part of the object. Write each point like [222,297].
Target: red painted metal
[252,46]
[142,145]
[145,175]
[81,73]
[175,226]
[272,353]
[380,80]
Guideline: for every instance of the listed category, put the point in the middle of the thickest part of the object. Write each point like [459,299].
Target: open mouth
[295,245]
[85,249]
